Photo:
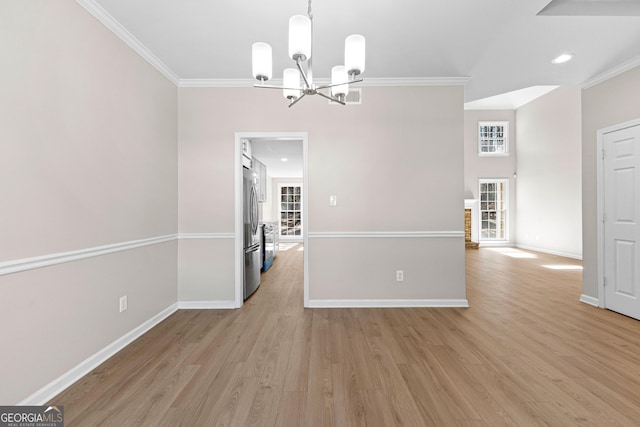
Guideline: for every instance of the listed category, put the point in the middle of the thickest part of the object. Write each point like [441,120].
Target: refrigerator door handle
[252,248]
[254,210]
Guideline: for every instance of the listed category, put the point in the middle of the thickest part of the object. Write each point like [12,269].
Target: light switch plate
[333,200]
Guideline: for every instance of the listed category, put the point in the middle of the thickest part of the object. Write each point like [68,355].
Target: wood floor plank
[320,401]
[264,407]
[399,402]
[431,403]
[526,352]
[624,409]
[291,409]
[297,375]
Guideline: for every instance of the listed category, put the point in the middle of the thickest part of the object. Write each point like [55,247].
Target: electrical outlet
[123,303]
[399,275]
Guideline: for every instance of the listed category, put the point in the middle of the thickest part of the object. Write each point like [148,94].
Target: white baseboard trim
[549,251]
[61,383]
[389,303]
[496,244]
[589,300]
[206,305]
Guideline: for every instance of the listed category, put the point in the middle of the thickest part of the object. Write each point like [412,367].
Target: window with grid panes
[290,211]
[493,138]
[493,209]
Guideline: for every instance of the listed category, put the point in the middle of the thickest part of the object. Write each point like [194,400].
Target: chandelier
[298,82]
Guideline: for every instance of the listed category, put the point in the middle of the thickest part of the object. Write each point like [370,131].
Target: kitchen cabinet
[261,170]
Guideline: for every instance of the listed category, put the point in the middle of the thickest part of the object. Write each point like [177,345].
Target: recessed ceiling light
[284,159]
[565,57]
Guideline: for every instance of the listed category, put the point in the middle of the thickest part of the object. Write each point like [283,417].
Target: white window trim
[505,125]
[506,209]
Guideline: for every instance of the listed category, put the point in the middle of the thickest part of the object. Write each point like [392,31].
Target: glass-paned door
[290,211]
[493,209]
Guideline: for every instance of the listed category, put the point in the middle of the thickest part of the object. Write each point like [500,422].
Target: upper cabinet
[261,170]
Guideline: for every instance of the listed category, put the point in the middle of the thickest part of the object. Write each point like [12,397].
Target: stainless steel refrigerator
[251,233]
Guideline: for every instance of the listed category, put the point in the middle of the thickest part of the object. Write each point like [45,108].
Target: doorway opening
[281,158]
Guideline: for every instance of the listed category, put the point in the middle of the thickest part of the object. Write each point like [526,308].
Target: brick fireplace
[470,223]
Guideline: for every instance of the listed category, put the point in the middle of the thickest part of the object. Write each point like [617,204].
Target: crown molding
[112,24]
[222,82]
[379,81]
[613,72]
[417,81]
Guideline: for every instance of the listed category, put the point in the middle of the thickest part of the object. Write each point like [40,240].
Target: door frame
[600,202]
[239,250]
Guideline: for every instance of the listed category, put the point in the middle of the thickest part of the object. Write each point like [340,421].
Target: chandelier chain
[309,12]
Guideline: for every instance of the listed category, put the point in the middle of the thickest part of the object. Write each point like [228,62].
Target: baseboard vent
[354,97]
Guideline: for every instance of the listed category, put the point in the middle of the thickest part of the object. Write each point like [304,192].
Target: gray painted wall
[401,149]
[549,202]
[88,143]
[606,104]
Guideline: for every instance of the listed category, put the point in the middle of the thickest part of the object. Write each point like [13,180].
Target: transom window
[493,209]
[493,138]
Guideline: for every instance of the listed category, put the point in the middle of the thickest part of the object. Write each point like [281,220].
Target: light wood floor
[527,352]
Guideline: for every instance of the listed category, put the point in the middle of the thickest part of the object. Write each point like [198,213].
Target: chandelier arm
[304,75]
[339,84]
[298,99]
[277,87]
[331,98]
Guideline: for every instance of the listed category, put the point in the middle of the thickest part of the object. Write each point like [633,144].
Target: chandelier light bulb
[291,79]
[354,53]
[339,75]
[299,38]
[261,61]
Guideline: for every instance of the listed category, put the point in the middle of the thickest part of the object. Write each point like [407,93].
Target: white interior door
[621,229]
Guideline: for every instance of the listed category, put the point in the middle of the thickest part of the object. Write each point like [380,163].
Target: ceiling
[501,45]
[272,151]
